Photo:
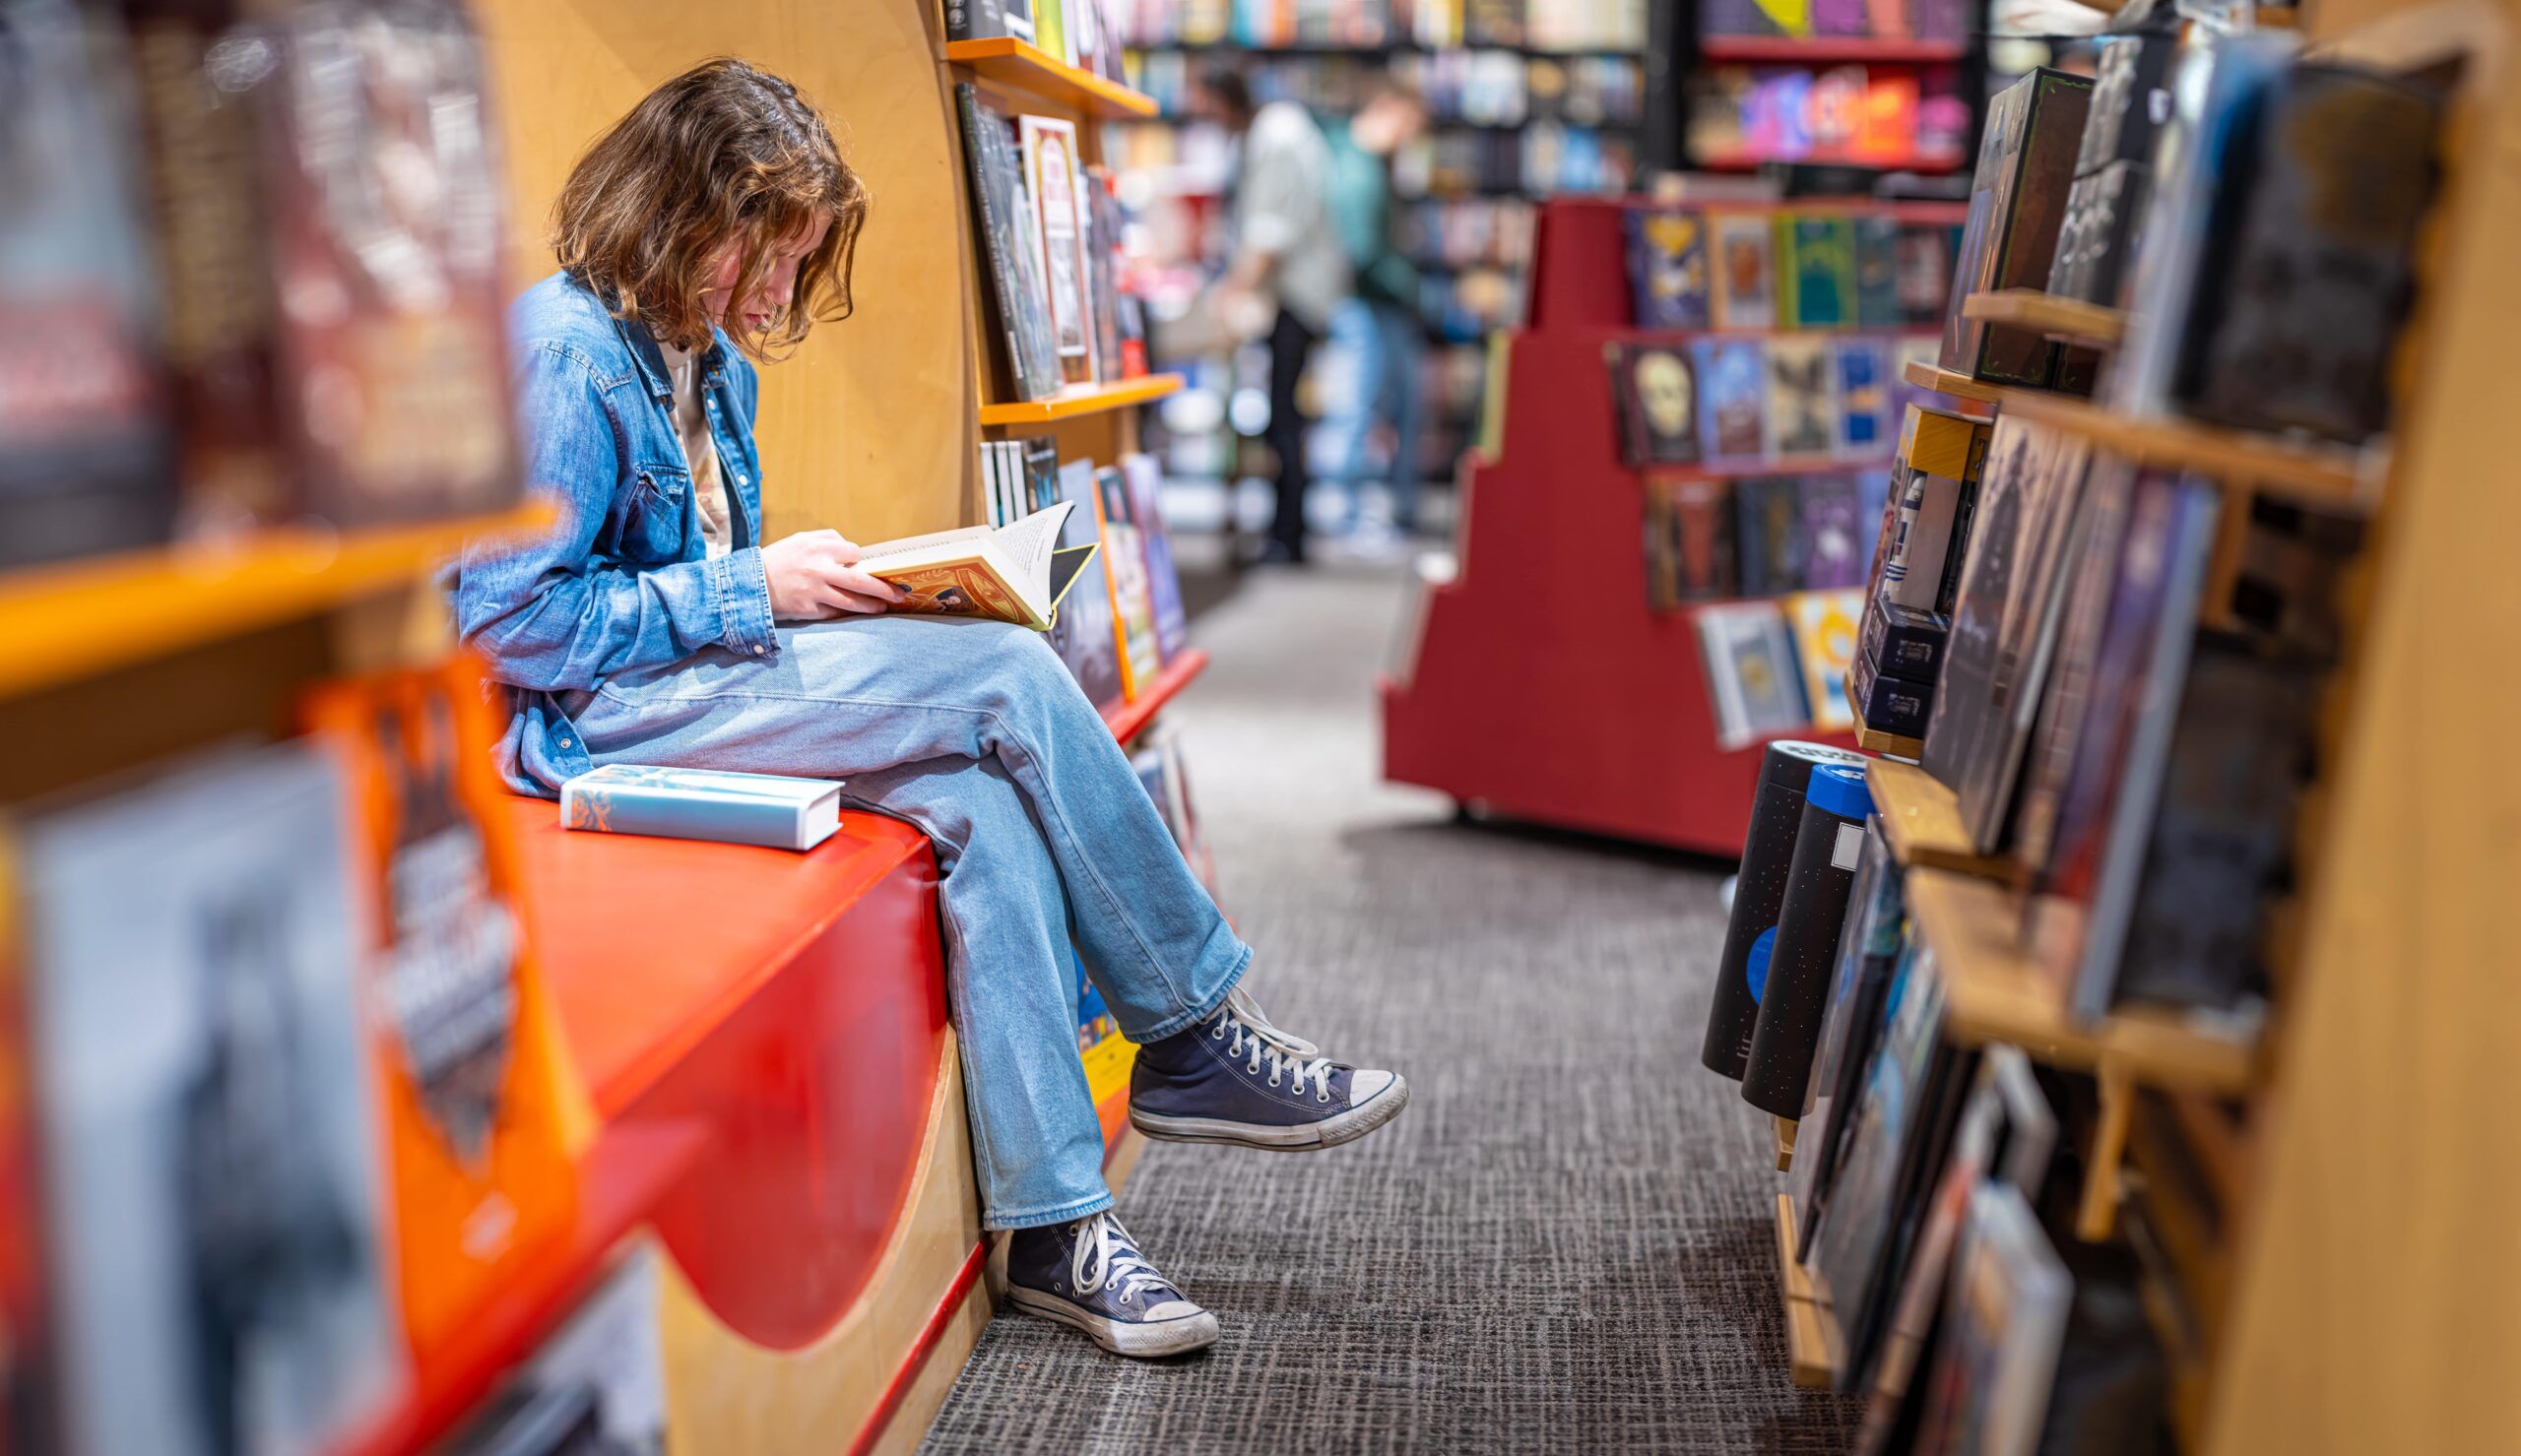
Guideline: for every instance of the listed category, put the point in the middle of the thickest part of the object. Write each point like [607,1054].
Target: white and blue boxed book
[767,809]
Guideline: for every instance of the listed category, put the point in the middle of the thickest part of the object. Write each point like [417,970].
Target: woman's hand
[815,576]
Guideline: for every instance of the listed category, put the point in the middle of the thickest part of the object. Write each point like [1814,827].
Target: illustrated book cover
[1733,396]
[1753,682]
[1657,392]
[1803,413]
[1014,573]
[1667,268]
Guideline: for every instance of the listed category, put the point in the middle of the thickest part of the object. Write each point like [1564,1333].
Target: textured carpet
[1564,1245]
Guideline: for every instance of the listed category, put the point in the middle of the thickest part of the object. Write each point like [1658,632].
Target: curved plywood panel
[869,428]
[728,1394]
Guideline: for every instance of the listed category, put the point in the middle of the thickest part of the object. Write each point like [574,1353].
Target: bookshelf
[2313,474]
[1957,385]
[2069,319]
[1028,68]
[1997,993]
[86,617]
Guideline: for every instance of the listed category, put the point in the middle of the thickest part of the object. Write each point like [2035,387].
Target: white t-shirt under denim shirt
[700,449]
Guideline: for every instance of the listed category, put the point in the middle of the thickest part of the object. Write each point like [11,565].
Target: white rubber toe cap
[1364,1086]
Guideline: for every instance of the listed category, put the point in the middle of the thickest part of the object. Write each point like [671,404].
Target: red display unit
[1538,685]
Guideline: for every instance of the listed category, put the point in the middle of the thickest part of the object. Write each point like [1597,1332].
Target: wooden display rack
[2336,1290]
[2069,320]
[1541,685]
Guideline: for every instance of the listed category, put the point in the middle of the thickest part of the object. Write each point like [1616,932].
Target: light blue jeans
[1388,345]
[974,731]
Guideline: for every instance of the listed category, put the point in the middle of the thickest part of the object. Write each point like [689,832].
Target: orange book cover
[1125,578]
[476,1089]
[958,589]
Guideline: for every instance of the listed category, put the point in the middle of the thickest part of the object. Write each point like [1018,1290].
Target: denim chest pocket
[652,523]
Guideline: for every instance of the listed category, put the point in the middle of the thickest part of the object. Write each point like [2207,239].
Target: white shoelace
[1106,1256]
[1286,1056]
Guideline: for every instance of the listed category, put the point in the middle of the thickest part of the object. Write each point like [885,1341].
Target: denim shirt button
[757,649]
[568,743]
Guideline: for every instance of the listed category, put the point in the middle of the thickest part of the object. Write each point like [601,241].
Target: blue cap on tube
[1840,790]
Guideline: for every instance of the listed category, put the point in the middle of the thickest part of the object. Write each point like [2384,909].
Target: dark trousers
[1290,347]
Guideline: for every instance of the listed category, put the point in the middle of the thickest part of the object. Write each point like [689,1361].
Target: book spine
[977,159]
[639,809]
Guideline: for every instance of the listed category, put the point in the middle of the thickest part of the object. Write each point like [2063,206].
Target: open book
[1014,573]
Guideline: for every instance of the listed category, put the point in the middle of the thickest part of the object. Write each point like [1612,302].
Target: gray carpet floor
[1564,1245]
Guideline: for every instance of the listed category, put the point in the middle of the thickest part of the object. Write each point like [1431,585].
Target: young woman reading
[709,228]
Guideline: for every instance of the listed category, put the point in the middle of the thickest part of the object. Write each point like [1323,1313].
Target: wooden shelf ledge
[2069,319]
[1874,741]
[1784,1129]
[1028,68]
[1921,818]
[1129,719]
[1960,386]
[1808,1332]
[1993,992]
[1082,399]
[77,619]
[2317,474]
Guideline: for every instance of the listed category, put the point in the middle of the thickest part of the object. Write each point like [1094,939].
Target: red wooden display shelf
[622,1180]
[1541,685]
[1796,51]
[1592,297]
[1127,720]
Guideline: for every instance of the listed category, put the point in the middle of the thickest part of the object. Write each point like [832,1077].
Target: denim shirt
[624,579]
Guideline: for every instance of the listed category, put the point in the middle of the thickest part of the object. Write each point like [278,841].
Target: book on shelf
[1768,534]
[1030,356]
[1655,391]
[393,341]
[597,1384]
[1824,627]
[1016,573]
[1835,550]
[1145,478]
[2299,303]
[1745,270]
[1852,1018]
[87,453]
[772,810]
[1903,1114]
[1876,241]
[1863,397]
[2007,1134]
[465,1039]
[1055,183]
[2130,99]
[1087,632]
[1803,405]
[217,1240]
[1050,30]
[1667,268]
[1733,397]
[2006,1318]
[1816,270]
[2017,204]
[2104,749]
[1753,682]
[1124,575]
[2021,545]
[1688,541]
[985,20]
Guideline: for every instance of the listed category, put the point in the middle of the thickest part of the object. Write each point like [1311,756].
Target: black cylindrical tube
[1776,812]
[1827,846]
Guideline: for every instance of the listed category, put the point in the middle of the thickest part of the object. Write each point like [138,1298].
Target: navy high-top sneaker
[1236,1079]
[1089,1276]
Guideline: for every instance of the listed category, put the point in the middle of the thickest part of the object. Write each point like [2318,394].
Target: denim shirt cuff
[742,590]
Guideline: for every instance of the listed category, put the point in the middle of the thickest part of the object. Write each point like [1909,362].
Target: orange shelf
[1128,719]
[626,1172]
[80,619]
[1028,68]
[1082,399]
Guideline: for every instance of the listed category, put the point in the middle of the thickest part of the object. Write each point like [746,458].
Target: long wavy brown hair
[724,155]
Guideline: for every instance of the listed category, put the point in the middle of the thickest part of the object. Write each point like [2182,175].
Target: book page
[967,536]
[1027,545]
